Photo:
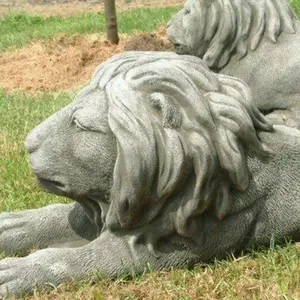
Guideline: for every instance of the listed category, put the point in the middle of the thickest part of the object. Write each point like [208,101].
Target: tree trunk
[111,21]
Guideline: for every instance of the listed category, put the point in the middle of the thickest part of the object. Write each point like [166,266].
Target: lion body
[260,47]
[272,72]
[171,165]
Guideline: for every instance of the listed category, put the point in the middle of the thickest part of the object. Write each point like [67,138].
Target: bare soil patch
[67,63]
[66,8]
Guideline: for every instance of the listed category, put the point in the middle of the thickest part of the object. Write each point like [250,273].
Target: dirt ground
[48,8]
[66,63]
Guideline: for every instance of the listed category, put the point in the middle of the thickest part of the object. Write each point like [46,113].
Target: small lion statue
[257,41]
[169,165]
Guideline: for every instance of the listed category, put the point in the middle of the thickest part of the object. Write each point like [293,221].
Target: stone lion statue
[257,41]
[169,164]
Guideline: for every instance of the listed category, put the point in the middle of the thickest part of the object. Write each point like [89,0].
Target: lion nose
[32,141]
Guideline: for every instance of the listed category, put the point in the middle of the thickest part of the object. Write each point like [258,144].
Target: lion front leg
[110,255]
[44,268]
[21,232]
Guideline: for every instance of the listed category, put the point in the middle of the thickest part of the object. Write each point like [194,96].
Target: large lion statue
[257,41]
[169,164]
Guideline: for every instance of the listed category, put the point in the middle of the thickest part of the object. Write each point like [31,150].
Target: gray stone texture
[169,164]
[257,41]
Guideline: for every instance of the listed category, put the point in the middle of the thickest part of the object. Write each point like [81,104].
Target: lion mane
[183,134]
[234,26]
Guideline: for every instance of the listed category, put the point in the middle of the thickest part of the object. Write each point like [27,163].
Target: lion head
[215,30]
[155,139]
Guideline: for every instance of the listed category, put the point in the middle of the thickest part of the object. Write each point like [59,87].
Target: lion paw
[15,232]
[42,269]
[21,232]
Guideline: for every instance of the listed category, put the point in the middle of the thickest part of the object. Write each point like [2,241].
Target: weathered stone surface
[257,41]
[170,164]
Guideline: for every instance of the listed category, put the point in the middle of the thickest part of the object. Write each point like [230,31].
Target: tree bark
[111,21]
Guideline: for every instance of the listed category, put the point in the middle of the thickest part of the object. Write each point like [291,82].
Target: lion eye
[78,124]
[186,9]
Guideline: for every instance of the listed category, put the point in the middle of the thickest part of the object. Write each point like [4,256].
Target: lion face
[185,32]
[73,152]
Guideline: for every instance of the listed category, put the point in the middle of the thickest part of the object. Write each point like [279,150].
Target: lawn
[18,188]
[272,273]
[18,29]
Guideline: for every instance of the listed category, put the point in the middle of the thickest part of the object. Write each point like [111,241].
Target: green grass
[296,6]
[19,114]
[17,30]
[267,274]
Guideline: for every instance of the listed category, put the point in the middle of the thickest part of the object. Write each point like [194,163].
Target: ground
[65,62]
[48,50]
[68,62]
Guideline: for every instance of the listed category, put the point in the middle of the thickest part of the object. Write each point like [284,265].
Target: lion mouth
[94,207]
[181,49]
[53,186]
[91,205]
[94,210]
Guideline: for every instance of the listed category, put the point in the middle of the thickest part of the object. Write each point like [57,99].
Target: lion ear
[171,117]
